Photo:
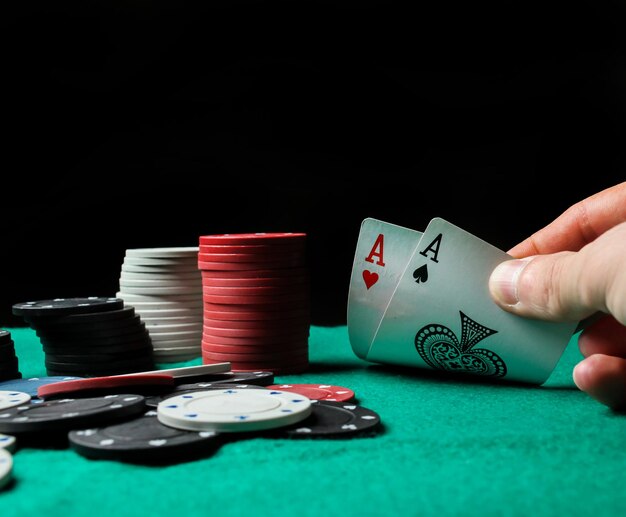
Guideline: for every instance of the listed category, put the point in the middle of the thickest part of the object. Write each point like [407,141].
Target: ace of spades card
[441,315]
[382,252]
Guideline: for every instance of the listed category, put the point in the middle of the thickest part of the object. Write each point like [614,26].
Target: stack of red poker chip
[256,302]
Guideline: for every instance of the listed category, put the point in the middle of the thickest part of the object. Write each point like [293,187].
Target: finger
[606,336]
[603,377]
[566,286]
[578,225]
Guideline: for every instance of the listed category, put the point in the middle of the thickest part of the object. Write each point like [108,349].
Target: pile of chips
[89,337]
[255,292]
[164,286]
[9,364]
[146,418]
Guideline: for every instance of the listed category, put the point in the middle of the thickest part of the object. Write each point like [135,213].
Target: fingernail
[503,281]
[580,374]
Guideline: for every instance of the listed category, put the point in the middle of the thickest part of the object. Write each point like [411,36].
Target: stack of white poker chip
[164,286]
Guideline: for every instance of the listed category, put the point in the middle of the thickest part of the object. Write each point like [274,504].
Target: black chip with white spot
[330,418]
[260,378]
[143,439]
[68,414]
[67,306]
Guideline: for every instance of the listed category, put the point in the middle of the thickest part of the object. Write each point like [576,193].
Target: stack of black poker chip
[89,337]
[9,364]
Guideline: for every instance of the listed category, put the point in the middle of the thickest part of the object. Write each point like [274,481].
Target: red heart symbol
[370,278]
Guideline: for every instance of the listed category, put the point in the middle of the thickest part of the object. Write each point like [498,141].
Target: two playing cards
[422,299]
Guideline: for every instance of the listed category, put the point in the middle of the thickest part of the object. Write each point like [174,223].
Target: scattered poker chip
[6,467]
[333,419]
[67,306]
[32,384]
[67,414]
[258,377]
[318,391]
[8,442]
[232,410]
[141,439]
[13,398]
[142,384]
[189,372]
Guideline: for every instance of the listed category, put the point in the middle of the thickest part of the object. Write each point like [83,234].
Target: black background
[146,124]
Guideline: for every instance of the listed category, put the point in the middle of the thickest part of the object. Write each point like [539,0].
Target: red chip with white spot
[317,391]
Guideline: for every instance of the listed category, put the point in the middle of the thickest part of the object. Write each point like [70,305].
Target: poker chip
[187,373]
[94,320]
[256,315]
[255,277]
[180,267]
[142,384]
[249,266]
[89,337]
[297,258]
[253,249]
[233,410]
[67,414]
[330,418]
[9,363]
[6,468]
[258,377]
[252,238]
[8,442]
[143,439]
[165,282]
[318,391]
[13,398]
[67,306]
[279,358]
[31,385]
[153,400]
[290,367]
[162,253]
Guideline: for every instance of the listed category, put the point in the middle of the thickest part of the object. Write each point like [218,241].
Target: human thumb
[562,286]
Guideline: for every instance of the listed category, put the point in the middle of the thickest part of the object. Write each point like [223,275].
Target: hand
[571,269]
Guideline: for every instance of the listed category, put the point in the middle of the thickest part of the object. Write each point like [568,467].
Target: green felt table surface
[447,447]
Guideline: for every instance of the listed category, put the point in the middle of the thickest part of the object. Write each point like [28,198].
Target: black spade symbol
[421,274]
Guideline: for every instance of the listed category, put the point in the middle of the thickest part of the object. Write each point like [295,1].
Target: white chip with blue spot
[6,467]
[8,442]
[13,398]
[233,410]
